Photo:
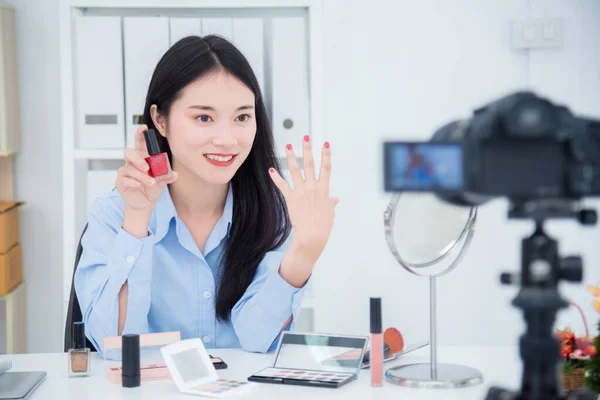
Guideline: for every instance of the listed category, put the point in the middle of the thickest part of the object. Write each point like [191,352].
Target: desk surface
[499,365]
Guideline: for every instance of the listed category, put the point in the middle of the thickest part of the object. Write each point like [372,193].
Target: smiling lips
[220,160]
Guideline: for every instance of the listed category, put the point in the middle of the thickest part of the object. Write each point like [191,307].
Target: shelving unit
[13,305]
[281,39]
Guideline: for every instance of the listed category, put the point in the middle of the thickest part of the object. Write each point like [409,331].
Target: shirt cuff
[131,261]
[275,287]
[128,252]
[279,288]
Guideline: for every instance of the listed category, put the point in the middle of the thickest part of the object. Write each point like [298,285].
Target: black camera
[520,146]
[544,160]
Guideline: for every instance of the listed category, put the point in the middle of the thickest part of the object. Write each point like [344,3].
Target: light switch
[537,33]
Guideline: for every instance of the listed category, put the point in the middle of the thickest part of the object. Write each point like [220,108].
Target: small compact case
[155,371]
[309,359]
[193,371]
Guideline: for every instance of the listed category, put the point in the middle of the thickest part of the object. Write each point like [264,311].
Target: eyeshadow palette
[194,372]
[312,360]
[308,378]
[219,388]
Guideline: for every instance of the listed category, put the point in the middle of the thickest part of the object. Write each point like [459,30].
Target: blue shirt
[172,284]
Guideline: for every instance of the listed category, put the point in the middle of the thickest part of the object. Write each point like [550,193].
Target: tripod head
[542,268]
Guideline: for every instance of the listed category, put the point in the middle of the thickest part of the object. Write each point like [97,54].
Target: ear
[160,121]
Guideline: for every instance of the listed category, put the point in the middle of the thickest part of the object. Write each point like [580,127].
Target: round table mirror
[428,237]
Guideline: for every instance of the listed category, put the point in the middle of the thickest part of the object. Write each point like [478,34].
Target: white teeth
[218,158]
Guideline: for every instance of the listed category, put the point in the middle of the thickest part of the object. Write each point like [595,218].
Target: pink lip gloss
[376,343]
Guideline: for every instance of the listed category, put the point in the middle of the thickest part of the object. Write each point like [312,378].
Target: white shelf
[81,154]
[192,4]
[77,162]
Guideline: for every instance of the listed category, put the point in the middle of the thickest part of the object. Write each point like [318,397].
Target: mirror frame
[466,235]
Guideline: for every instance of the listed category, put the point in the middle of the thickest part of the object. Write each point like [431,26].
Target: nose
[225,136]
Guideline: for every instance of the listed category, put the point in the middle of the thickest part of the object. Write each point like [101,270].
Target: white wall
[400,69]
[38,171]
[392,69]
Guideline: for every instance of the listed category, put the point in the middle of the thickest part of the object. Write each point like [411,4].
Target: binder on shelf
[145,39]
[248,37]
[182,27]
[218,26]
[289,87]
[99,82]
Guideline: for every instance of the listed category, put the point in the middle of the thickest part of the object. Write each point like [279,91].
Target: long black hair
[260,220]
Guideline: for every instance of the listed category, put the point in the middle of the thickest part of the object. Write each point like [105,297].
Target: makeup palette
[193,371]
[310,360]
[219,388]
[154,371]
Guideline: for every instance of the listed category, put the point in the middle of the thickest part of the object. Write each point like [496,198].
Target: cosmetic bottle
[130,356]
[157,161]
[79,355]
[376,343]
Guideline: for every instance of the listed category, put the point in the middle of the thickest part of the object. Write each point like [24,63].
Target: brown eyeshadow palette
[300,377]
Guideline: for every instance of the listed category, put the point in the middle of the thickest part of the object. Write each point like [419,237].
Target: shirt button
[130,259]
[207,295]
[206,339]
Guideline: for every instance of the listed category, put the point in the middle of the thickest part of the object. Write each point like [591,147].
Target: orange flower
[565,336]
[566,350]
[591,351]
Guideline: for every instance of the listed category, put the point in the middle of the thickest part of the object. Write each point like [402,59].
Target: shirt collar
[165,212]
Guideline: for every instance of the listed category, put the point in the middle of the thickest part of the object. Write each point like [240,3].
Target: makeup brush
[393,343]
[393,338]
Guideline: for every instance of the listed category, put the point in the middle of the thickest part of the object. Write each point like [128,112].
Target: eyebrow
[209,108]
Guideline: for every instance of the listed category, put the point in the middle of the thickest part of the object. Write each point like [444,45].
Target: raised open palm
[310,207]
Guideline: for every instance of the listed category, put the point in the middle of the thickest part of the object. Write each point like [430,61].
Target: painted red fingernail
[289,146]
[271,170]
[326,145]
[306,138]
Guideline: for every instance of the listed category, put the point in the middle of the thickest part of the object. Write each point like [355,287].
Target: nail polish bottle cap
[152,142]
[130,357]
[375,315]
[78,336]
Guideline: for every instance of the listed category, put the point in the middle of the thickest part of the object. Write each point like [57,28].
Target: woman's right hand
[138,189]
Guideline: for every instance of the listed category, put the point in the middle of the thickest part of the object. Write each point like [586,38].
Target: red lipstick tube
[376,343]
[157,161]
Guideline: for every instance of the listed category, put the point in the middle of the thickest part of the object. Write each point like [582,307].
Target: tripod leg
[496,393]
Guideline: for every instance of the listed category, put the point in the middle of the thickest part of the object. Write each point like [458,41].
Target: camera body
[543,159]
[521,146]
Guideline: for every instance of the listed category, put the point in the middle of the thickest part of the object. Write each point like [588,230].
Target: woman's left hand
[310,208]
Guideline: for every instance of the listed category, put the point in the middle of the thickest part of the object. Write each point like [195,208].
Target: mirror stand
[433,374]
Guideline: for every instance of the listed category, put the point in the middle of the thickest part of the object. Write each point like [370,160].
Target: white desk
[499,365]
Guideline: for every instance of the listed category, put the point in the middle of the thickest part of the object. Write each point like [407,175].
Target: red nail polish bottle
[157,161]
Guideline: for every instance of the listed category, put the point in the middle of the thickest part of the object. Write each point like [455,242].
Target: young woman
[222,249]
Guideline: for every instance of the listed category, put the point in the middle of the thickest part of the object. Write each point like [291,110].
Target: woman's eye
[243,118]
[203,118]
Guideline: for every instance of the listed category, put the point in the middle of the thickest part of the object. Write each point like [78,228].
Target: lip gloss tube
[376,343]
